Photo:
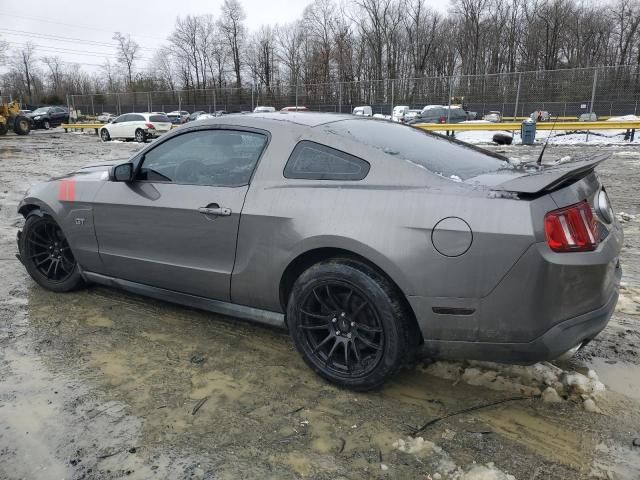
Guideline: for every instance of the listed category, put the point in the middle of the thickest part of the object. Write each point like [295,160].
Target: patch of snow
[507,195]
[624,118]
[625,217]
[590,406]
[415,445]
[455,178]
[549,395]
[484,472]
[562,160]
[446,467]
[541,379]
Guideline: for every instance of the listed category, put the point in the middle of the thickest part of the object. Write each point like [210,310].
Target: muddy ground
[99,384]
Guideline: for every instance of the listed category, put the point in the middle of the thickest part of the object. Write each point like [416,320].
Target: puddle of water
[554,442]
[619,377]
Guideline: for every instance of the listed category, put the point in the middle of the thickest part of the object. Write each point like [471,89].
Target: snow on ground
[551,383]
[446,467]
[559,137]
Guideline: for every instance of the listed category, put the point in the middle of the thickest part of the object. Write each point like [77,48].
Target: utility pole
[515,110]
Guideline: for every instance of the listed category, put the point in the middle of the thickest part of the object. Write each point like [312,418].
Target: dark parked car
[48,117]
[440,114]
[370,241]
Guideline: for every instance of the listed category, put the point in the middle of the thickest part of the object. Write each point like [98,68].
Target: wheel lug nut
[348,335]
[343,314]
[337,332]
[334,320]
[353,324]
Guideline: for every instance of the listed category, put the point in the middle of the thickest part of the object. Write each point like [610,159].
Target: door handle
[214,210]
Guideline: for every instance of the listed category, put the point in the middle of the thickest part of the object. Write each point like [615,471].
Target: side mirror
[121,173]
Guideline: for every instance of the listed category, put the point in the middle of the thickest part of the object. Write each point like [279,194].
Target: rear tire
[47,256]
[3,128]
[140,137]
[46,125]
[349,324]
[104,135]
[21,125]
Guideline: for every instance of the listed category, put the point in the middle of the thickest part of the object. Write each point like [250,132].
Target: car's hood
[93,171]
[532,179]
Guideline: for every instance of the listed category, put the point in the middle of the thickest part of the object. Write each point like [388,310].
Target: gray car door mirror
[121,173]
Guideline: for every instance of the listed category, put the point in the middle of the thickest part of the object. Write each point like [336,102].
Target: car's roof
[309,119]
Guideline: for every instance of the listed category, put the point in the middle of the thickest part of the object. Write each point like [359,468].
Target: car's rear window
[159,118]
[437,153]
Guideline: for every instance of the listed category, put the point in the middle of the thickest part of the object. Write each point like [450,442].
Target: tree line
[341,42]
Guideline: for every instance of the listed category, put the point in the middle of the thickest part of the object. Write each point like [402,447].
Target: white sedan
[137,126]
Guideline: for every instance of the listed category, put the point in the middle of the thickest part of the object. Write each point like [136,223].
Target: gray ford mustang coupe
[372,242]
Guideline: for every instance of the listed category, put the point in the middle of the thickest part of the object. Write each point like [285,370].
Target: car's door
[58,115]
[116,126]
[176,225]
[134,121]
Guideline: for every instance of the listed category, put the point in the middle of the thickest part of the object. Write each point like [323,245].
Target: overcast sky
[81,26]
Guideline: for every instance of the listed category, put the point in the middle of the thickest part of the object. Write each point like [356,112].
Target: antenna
[544,147]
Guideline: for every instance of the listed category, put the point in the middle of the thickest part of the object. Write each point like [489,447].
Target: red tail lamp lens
[571,229]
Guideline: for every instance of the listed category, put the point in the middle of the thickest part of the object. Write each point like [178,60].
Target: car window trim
[138,160]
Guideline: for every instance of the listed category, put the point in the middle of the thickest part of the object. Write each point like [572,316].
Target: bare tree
[23,62]
[232,27]
[127,55]
[55,67]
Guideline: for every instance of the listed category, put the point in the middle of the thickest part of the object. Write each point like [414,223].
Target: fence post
[296,93]
[449,102]
[149,103]
[515,110]
[93,112]
[340,96]
[179,101]
[252,96]
[392,95]
[593,96]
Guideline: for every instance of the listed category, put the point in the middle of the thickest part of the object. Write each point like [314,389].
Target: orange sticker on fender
[67,190]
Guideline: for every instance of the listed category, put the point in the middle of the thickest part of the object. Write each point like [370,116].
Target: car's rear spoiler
[551,177]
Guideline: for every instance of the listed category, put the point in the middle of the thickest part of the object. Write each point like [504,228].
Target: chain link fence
[606,91]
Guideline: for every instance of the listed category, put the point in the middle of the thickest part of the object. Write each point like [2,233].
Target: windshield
[439,154]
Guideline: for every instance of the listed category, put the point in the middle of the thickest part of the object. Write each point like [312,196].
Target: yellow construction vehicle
[12,119]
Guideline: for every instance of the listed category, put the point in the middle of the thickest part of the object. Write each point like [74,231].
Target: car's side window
[223,158]
[313,161]
[136,118]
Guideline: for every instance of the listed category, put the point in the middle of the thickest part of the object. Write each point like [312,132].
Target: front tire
[21,125]
[47,256]
[104,135]
[349,324]
[46,125]
[141,136]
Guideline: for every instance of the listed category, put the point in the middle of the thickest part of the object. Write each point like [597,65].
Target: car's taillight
[443,120]
[571,229]
[149,125]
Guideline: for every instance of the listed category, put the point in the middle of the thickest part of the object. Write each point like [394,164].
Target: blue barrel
[528,132]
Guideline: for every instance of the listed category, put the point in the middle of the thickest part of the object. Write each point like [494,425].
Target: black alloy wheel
[47,256]
[342,329]
[349,323]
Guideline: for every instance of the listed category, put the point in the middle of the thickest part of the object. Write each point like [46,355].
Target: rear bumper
[550,345]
